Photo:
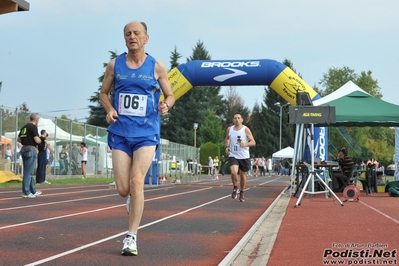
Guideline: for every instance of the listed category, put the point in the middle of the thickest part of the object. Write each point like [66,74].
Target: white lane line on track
[52,188]
[121,234]
[97,210]
[57,202]
[66,201]
[271,181]
[249,180]
[74,192]
[380,212]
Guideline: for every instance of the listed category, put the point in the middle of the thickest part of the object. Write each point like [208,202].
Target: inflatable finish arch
[268,72]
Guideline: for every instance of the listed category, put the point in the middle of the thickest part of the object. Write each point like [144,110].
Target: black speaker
[303,98]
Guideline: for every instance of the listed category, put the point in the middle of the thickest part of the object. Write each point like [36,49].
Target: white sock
[134,235]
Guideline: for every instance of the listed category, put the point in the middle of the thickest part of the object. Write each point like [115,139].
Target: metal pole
[281,109]
[195,138]
[55,148]
[15,141]
[195,134]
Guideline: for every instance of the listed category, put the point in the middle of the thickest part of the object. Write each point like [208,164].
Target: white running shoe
[128,203]
[30,196]
[38,192]
[129,246]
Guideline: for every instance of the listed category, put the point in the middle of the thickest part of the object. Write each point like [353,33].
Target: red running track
[184,224]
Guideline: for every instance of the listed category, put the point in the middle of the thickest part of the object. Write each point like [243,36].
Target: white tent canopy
[287,152]
[53,131]
[346,89]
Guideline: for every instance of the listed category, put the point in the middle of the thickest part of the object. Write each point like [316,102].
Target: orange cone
[217,177]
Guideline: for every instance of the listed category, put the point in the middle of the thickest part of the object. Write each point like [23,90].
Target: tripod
[311,176]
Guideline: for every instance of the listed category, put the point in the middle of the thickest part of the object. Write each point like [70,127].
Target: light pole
[281,115]
[16,137]
[195,134]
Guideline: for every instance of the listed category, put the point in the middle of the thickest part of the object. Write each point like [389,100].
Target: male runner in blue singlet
[134,121]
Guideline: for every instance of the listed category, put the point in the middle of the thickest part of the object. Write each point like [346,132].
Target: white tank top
[84,156]
[269,165]
[235,150]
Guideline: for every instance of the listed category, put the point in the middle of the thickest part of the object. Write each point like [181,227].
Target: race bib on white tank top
[235,139]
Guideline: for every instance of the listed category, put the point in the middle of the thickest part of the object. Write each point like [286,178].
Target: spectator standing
[9,153]
[18,161]
[189,165]
[42,159]
[210,166]
[262,166]
[197,167]
[249,173]
[269,166]
[74,153]
[63,160]
[216,165]
[223,165]
[280,167]
[29,138]
[96,155]
[50,159]
[287,167]
[74,159]
[254,166]
[83,153]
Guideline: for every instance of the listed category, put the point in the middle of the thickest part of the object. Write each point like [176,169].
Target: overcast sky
[52,55]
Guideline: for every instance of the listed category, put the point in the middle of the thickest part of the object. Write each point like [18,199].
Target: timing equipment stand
[311,178]
[306,113]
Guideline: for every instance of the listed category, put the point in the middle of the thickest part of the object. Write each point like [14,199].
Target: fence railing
[64,134]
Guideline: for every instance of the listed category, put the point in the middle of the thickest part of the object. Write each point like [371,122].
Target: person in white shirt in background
[269,166]
[83,153]
[210,165]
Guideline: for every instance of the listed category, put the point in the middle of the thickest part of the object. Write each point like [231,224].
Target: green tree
[8,118]
[211,129]
[192,107]
[265,122]
[270,120]
[258,130]
[7,121]
[337,77]
[376,141]
[174,58]
[234,104]
[167,131]
[97,112]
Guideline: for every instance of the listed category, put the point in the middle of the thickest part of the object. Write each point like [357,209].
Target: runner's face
[135,36]
[237,120]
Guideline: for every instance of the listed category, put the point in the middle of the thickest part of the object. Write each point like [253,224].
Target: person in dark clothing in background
[42,159]
[339,179]
[29,138]
[223,165]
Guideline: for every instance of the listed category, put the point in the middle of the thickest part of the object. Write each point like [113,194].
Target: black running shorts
[243,164]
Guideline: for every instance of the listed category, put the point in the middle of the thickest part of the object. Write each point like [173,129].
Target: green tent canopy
[356,108]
